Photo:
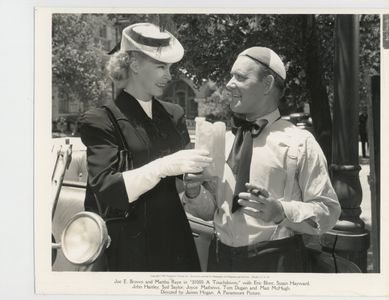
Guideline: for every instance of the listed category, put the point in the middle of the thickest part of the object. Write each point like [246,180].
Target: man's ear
[268,83]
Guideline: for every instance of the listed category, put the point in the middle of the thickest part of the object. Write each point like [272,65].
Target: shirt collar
[271,117]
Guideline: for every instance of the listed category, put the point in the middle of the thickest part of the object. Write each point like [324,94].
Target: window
[181,93]
[103,31]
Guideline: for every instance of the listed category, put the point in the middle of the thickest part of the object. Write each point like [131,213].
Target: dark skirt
[156,236]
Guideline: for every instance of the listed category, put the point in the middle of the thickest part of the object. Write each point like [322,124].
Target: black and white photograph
[209,153]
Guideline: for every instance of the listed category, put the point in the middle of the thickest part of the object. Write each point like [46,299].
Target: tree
[78,60]
[304,42]
[211,43]
[370,53]
[216,106]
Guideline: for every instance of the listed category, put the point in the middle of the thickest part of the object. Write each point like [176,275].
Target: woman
[151,232]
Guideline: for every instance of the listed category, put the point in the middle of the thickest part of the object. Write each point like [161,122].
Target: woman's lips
[161,85]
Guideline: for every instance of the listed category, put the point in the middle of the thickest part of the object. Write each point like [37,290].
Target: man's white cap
[149,39]
[267,57]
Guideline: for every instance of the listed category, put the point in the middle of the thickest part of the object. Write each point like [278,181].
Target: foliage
[212,43]
[78,60]
[216,106]
[370,50]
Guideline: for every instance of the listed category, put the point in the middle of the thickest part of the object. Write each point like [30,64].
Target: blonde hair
[119,63]
[118,66]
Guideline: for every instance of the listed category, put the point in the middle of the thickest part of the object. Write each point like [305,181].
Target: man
[362,128]
[275,183]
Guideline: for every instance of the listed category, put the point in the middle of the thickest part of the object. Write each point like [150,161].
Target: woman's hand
[181,162]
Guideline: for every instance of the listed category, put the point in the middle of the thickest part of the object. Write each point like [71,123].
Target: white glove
[143,179]
[184,161]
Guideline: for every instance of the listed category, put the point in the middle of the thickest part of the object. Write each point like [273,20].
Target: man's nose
[230,84]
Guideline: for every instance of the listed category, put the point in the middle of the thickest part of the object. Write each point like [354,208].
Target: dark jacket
[156,235]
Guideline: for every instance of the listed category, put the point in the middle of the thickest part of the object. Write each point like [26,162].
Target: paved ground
[366,215]
[366,193]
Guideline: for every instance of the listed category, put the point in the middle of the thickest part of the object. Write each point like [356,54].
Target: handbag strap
[123,146]
[111,116]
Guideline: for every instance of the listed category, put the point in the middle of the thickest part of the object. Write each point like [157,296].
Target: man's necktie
[239,159]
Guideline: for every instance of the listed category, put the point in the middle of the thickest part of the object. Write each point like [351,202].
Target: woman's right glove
[140,180]
[184,161]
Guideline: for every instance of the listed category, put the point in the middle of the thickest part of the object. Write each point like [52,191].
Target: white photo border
[49,282]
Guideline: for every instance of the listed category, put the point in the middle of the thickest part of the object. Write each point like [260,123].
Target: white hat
[149,39]
[267,57]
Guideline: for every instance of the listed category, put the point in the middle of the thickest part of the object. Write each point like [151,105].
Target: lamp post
[349,237]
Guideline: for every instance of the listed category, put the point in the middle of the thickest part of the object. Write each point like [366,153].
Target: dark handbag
[124,164]
[108,214]
[125,161]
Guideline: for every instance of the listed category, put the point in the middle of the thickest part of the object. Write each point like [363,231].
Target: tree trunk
[319,105]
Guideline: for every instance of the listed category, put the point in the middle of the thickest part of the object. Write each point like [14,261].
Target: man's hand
[258,203]
[192,189]
[193,182]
